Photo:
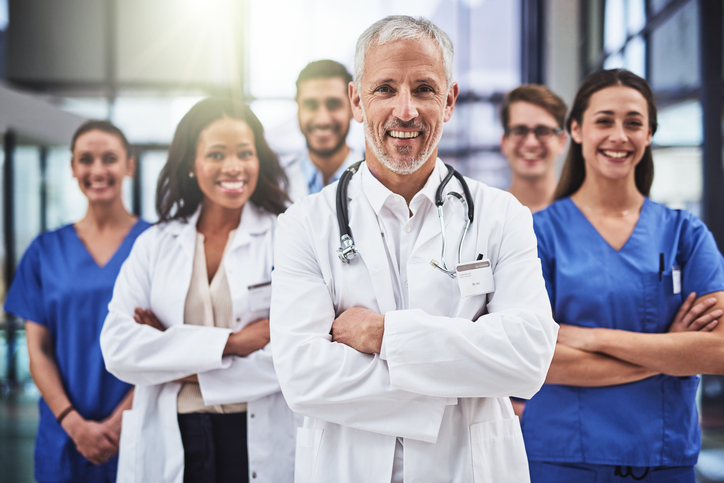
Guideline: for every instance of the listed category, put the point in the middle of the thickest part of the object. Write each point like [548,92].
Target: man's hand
[146,317]
[97,442]
[359,328]
[690,318]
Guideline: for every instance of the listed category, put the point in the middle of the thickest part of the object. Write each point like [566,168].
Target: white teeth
[529,156]
[404,134]
[615,154]
[232,185]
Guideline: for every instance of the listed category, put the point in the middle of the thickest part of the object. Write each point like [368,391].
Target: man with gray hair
[402,362]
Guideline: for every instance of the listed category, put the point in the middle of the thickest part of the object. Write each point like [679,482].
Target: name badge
[260,296]
[475,278]
[676,278]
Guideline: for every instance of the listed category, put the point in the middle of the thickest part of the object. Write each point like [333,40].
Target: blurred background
[143,63]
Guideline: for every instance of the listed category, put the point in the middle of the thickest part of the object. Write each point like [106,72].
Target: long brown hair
[178,196]
[574,168]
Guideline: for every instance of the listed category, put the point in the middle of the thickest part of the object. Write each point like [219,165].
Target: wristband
[65,412]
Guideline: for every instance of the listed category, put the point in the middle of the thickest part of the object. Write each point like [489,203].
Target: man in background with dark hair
[534,137]
[324,117]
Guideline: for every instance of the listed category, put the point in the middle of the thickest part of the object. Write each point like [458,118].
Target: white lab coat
[157,276]
[298,186]
[451,362]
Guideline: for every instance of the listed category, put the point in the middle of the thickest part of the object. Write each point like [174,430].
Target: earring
[191,174]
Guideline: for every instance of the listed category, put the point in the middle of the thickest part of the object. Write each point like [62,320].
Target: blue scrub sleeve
[547,260]
[702,264]
[25,297]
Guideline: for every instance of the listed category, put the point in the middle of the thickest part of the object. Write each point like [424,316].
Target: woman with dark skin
[188,323]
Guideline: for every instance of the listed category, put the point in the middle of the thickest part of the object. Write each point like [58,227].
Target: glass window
[614,27]
[66,202]
[328,29]
[636,16]
[151,119]
[3,288]
[151,163]
[678,178]
[680,125]
[635,56]
[26,188]
[675,51]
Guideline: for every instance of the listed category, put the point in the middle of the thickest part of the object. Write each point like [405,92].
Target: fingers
[698,309]
[684,309]
[146,317]
[707,322]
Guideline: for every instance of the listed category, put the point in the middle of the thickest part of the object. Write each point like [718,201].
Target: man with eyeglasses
[533,118]
[324,115]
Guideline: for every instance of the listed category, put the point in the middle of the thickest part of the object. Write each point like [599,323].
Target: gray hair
[402,27]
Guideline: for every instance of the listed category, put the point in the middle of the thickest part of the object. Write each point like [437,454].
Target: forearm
[115,418]
[676,354]
[140,354]
[47,378]
[574,367]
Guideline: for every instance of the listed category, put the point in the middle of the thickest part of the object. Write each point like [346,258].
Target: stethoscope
[348,250]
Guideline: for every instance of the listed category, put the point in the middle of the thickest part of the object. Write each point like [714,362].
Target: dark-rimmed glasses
[542,133]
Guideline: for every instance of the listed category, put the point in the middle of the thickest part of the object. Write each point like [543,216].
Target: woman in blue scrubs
[638,289]
[62,288]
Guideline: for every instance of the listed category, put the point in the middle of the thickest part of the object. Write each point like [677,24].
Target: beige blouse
[207,304]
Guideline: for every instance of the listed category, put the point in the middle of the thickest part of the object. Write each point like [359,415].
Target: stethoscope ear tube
[468,196]
[347,249]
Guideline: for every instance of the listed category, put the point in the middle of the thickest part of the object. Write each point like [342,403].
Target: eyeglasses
[541,133]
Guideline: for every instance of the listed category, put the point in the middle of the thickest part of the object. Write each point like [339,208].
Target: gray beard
[404,166]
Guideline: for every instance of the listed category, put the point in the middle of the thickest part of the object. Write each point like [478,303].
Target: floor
[19,418]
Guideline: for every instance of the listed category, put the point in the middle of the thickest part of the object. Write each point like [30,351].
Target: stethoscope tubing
[348,250]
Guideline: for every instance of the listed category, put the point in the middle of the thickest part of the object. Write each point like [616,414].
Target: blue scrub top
[59,285]
[652,422]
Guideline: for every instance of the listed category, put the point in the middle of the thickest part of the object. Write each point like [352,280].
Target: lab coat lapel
[251,224]
[186,234]
[368,239]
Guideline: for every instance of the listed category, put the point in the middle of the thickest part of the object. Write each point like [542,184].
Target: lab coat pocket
[128,447]
[308,442]
[498,452]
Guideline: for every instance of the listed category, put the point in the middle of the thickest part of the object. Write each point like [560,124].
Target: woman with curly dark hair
[188,323]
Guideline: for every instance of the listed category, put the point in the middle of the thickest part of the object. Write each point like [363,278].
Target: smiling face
[324,114]
[100,162]
[529,157]
[226,164]
[403,100]
[614,132]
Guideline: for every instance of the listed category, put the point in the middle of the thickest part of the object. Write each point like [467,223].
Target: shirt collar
[378,194]
[314,178]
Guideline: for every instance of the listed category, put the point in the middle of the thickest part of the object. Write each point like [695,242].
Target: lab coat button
[238,319]
[253,474]
[406,284]
[407,229]
[252,415]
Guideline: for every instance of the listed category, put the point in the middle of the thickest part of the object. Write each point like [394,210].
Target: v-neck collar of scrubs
[632,238]
[87,252]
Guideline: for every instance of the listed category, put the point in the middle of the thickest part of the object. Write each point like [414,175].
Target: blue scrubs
[60,286]
[649,423]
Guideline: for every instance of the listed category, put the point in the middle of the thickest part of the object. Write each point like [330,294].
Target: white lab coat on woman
[451,362]
[157,275]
